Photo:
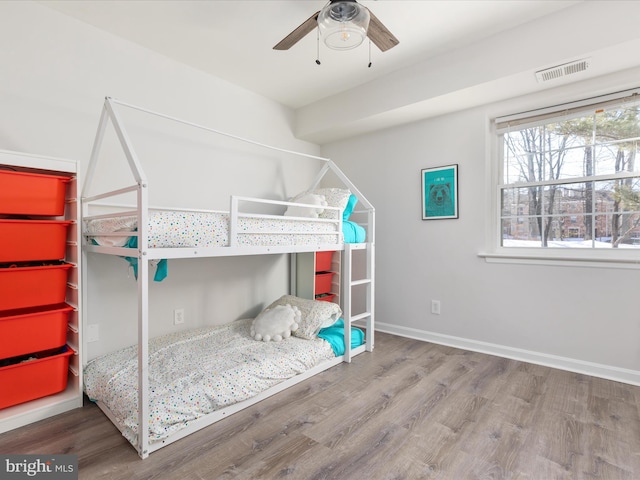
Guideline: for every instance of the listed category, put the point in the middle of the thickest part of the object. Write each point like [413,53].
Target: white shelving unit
[352,284]
[41,408]
[307,272]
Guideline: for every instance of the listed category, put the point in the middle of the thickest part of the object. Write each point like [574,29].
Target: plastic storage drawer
[323,283]
[325,297]
[45,375]
[28,240]
[33,286]
[323,261]
[33,330]
[23,193]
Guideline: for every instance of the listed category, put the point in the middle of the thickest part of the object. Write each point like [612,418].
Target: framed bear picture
[440,192]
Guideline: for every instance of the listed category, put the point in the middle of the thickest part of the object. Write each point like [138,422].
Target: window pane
[618,230]
[566,199]
[574,154]
[572,161]
[617,124]
[629,191]
[521,232]
[617,157]
[621,195]
[523,156]
[515,201]
[546,153]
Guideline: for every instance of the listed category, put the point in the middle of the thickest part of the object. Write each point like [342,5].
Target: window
[570,178]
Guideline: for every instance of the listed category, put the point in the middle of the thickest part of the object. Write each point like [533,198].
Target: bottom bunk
[200,376]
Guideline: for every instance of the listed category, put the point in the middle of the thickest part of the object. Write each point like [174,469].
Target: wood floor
[409,410]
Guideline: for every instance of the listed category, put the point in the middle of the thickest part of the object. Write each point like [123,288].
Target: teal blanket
[353,233]
[335,336]
[161,270]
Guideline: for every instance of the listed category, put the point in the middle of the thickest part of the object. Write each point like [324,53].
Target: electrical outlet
[178,316]
[435,307]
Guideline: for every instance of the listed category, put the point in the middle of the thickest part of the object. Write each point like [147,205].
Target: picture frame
[440,192]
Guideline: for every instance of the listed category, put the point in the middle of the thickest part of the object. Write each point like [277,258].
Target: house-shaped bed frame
[364,285]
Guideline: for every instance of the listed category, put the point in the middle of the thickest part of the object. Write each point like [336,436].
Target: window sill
[548,258]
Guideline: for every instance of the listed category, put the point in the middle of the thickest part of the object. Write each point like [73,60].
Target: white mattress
[211,229]
[196,372]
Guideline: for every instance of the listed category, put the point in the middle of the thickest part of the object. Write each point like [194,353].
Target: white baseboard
[608,372]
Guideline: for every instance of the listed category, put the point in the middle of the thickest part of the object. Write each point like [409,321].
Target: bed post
[346,280]
[143,358]
[143,278]
[143,324]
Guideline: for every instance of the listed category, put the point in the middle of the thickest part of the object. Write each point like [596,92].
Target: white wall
[54,74]
[582,319]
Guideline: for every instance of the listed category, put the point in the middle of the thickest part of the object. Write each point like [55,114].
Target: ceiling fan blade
[294,37]
[380,35]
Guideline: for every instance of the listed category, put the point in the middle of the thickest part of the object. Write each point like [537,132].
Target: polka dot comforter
[196,372]
[211,229]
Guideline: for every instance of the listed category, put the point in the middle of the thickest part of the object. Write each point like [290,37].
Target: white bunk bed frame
[145,254]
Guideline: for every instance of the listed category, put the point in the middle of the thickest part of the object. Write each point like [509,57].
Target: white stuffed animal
[316,202]
[275,324]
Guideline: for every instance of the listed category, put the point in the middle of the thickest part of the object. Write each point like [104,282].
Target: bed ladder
[357,283]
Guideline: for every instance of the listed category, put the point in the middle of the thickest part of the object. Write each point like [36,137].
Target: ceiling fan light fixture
[343,24]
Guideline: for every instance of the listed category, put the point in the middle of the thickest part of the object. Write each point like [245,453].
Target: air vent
[562,70]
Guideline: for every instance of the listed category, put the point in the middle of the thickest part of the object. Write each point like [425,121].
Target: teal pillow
[348,209]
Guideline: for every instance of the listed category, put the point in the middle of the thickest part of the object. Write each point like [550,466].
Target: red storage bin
[33,330]
[23,193]
[29,240]
[33,286]
[323,261]
[28,380]
[323,283]
[326,297]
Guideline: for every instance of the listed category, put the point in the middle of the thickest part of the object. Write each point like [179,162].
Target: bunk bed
[311,222]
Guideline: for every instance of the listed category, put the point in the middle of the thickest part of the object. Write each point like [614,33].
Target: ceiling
[233,40]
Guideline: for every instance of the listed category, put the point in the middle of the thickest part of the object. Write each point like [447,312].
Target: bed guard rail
[235,214]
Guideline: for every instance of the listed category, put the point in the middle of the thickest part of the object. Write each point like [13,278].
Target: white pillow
[275,323]
[318,202]
[315,314]
[335,197]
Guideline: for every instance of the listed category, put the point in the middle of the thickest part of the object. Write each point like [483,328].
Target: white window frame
[496,253]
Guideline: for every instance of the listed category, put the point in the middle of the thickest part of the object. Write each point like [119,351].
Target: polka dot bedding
[211,229]
[196,372]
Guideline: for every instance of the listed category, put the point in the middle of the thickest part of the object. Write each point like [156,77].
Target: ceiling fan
[343,24]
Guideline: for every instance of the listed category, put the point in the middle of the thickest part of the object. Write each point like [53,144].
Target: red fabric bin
[23,193]
[323,261]
[326,297]
[45,375]
[33,286]
[323,283]
[29,240]
[33,329]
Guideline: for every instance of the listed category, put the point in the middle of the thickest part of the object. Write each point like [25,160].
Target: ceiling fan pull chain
[369,66]
[318,47]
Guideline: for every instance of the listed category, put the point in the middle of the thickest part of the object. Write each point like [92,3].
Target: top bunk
[170,188]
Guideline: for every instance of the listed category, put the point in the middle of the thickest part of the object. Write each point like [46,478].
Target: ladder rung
[360,282]
[360,316]
[358,246]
